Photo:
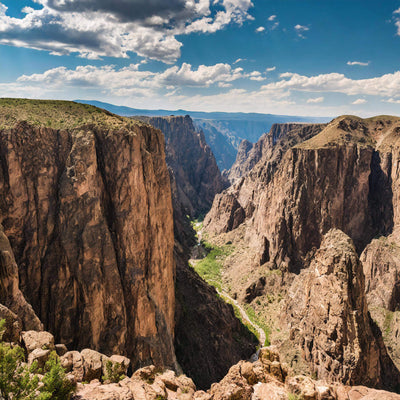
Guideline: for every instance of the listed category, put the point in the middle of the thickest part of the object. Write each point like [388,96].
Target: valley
[124,247]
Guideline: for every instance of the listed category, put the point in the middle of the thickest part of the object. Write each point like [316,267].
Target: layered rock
[328,316]
[192,162]
[88,212]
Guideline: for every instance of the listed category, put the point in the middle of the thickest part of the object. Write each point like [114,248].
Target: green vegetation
[238,315]
[209,268]
[113,372]
[55,381]
[19,381]
[292,396]
[58,114]
[387,324]
[258,320]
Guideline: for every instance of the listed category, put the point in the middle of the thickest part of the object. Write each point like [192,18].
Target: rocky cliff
[209,339]
[192,163]
[10,294]
[271,146]
[327,181]
[86,205]
[345,177]
[328,316]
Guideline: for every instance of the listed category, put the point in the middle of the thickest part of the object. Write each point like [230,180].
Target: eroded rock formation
[12,300]
[88,213]
[192,162]
[329,181]
[328,316]
[271,146]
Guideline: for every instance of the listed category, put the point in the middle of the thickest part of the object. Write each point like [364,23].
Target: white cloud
[274,26]
[359,63]
[99,28]
[260,29]
[239,60]
[270,69]
[315,100]
[391,100]
[385,85]
[272,18]
[359,101]
[132,78]
[300,29]
[256,76]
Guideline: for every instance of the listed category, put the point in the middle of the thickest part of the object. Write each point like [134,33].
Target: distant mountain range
[223,131]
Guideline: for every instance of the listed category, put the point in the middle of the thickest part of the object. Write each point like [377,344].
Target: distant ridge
[223,131]
[129,111]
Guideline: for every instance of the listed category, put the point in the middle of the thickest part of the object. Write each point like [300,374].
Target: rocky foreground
[266,378]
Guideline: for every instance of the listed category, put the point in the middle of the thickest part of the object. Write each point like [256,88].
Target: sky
[295,57]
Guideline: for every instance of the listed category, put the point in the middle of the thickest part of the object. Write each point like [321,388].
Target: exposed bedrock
[88,213]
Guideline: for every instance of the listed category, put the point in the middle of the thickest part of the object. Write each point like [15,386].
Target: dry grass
[58,114]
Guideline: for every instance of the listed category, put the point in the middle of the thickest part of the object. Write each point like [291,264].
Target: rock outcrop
[271,146]
[261,380]
[328,316]
[328,181]
[192,162]
[86,204]
[11,296]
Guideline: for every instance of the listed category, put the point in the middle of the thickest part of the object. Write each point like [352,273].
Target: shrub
[19,381]
[113,372]
[55,381]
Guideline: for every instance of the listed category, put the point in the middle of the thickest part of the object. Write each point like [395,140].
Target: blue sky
[303,57]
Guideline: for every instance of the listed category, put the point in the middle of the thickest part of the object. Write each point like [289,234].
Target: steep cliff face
[192,162]
[321,183]
[10,294]
[209,339]
[271,146]
[328,315]
[88,212]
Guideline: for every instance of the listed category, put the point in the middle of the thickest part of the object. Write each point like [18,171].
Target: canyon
[97,231]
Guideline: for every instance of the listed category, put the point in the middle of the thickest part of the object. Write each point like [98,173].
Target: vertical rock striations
[209,339]
[87,207]
[328,315]
[10,294]
[192,162]
[294,195]
[271,146]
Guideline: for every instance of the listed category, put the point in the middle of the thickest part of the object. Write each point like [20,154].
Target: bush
[113,372]
[18,381]
[55,381]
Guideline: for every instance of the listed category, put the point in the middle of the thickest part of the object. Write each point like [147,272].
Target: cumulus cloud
[239,60]
[300,29]
[132,79]
[272,18]
[99,28]
[385,85]
[359,101]
[359,63]
[260,29]
[315,100]
[391,100]
[270,69]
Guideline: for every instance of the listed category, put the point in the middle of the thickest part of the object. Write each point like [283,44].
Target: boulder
[32,340]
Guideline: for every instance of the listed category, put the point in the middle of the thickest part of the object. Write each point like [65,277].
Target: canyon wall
[88,213]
